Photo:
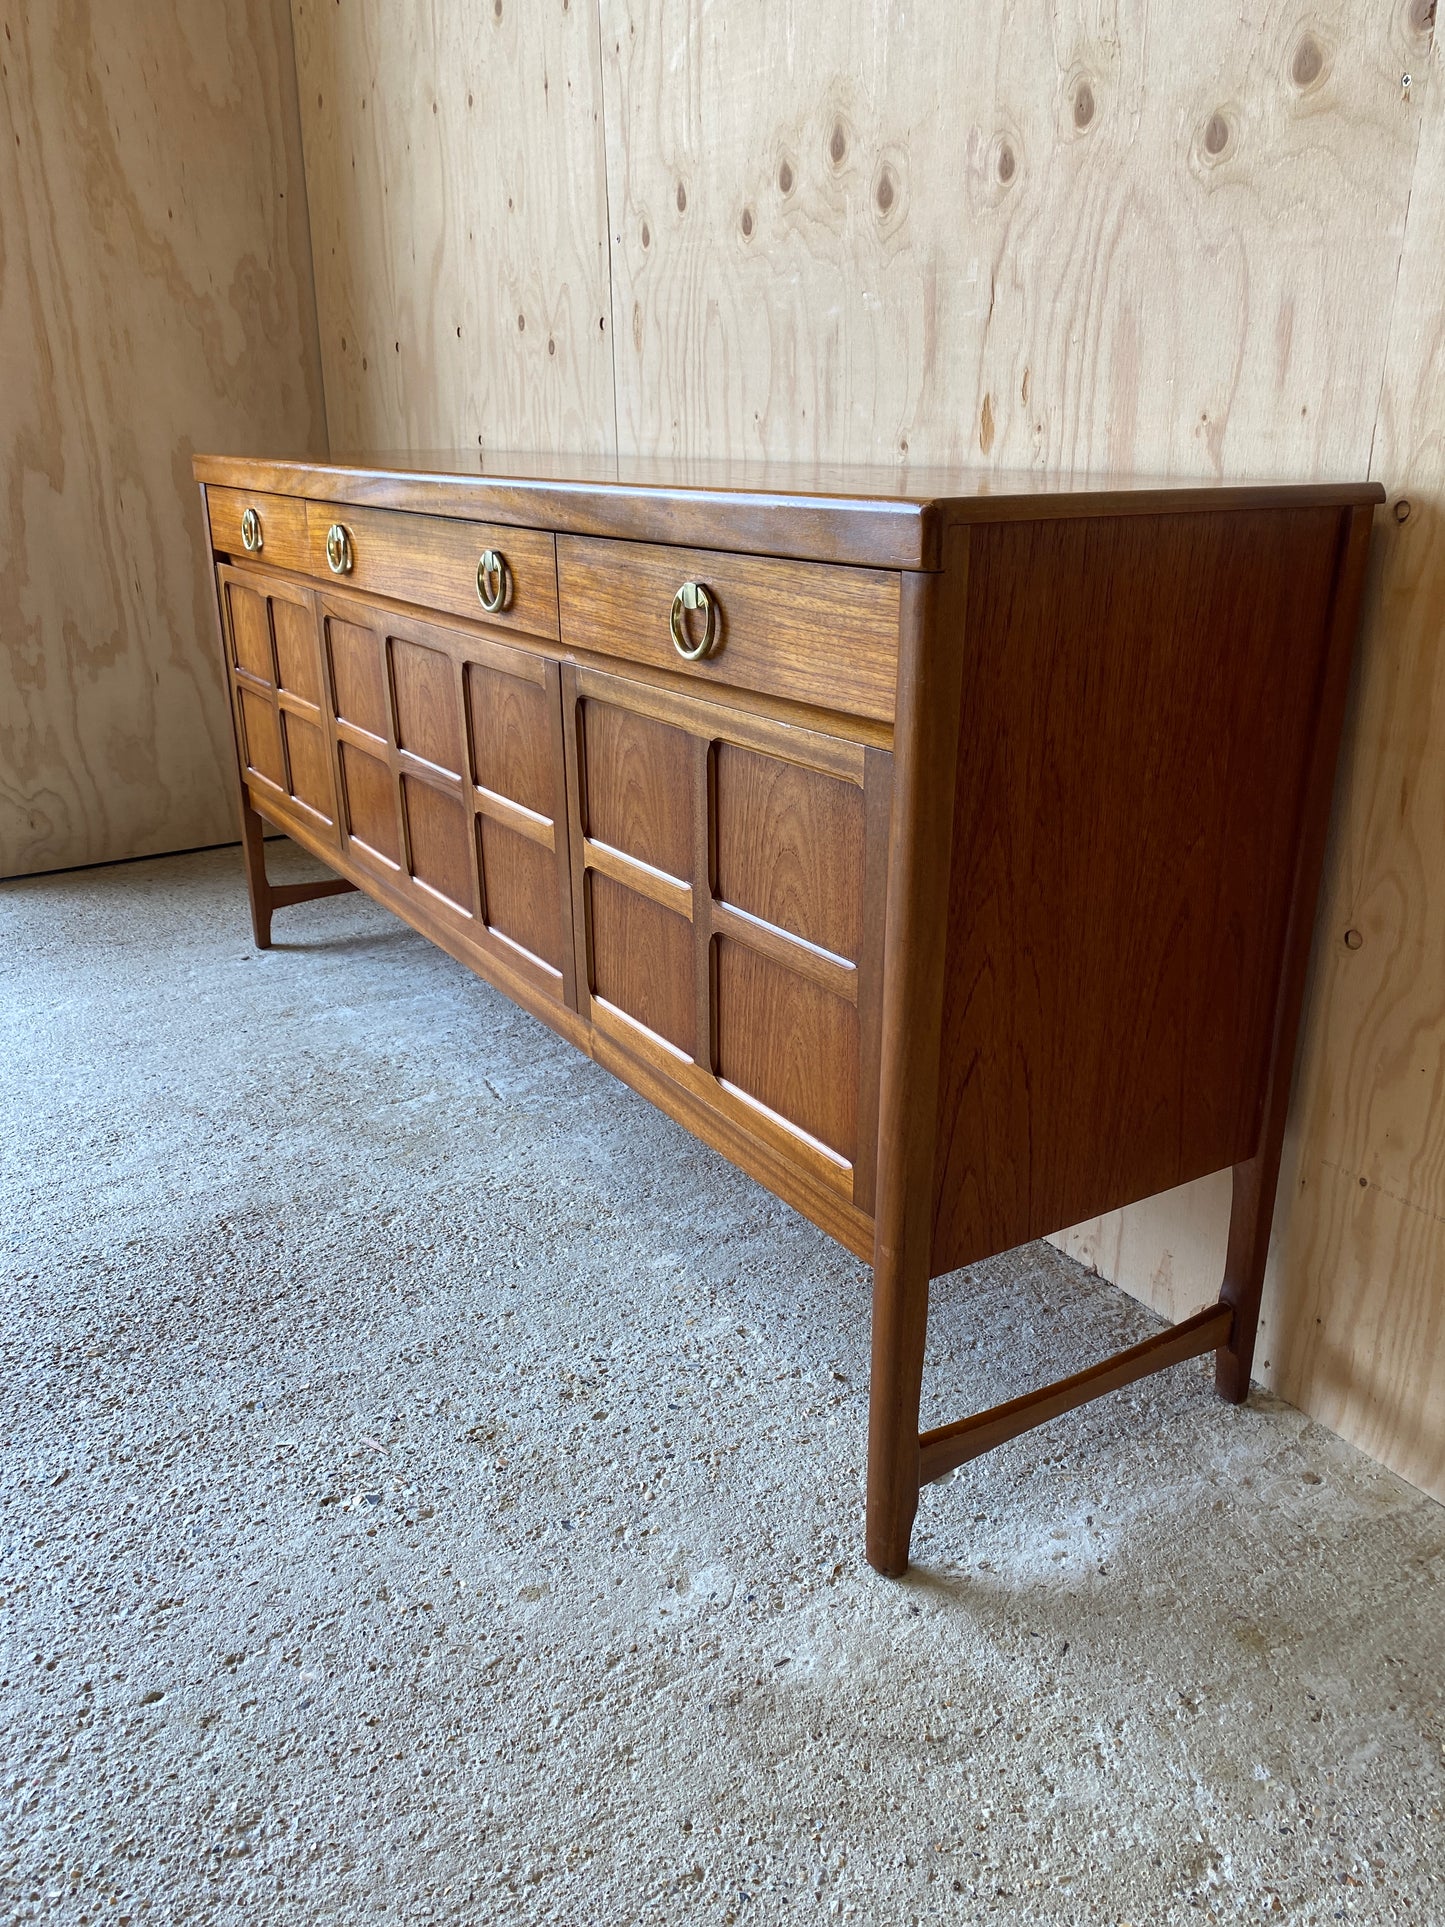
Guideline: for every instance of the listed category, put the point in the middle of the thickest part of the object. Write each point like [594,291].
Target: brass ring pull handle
[251,532]
[693,595]
[338,550]
[492,580]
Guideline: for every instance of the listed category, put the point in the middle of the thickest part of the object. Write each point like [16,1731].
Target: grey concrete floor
[433,1493]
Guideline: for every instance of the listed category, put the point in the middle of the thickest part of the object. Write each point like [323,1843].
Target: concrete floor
[433,1493]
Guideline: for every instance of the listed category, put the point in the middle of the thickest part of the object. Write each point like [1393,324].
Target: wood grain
[425,699]
[282,519]
[789,1044]
[816,635]
[1040,237]
[1128,805]
[790,847]
[155,297]
[459,215]
[431,561]
[642,961]
[637,788]
[439,839]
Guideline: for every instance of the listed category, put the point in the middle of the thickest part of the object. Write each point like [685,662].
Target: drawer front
[279,524]
[802,630]
[433,562]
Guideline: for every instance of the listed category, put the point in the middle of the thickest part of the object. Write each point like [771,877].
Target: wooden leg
[1255,1183]
[253,854]
[900,1325]
[1250,1217]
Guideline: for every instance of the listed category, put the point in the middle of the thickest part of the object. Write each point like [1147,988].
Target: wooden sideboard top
[881,517]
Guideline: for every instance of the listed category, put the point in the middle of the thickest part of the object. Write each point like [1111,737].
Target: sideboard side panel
[1139,700]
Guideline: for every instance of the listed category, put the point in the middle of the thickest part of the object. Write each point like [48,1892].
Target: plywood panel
[155,299]
[1070,236]
[458,207]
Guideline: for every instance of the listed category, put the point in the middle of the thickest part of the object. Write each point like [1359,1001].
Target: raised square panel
[789,1044]
[439,829]
[790,845]
[250,632]
[263,738]
[370,803]
[642,960]
[428,722]
[639,786]
[358,685]
[515,726]
[310,765]
[296,649]
[521,891]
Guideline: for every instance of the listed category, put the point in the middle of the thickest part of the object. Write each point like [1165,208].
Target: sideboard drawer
[435,562]
[258,528]
[815,634]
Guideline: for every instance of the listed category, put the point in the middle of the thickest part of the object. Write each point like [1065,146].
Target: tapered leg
[1250,1218]
[1255,1183]
[900,1325]
[253,854]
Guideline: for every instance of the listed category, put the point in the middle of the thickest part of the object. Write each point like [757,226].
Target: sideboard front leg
[900,1325]
[920,848]
[253,855]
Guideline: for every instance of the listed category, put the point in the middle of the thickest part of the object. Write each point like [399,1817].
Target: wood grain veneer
[953,903]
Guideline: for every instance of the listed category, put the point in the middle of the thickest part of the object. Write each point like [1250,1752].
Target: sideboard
[941,848]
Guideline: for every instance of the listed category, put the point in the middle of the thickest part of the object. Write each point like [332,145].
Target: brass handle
[338,550]
[251,532]
[492,568]
[693,595]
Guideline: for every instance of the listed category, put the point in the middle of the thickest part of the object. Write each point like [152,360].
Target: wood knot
[1216,136]
[1083,105]
[1308,63]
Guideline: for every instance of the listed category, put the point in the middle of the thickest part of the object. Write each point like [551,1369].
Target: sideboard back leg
[1250,1217]
[253,855]
[1255,1182]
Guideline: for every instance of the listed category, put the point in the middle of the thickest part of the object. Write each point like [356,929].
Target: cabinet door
[728,877]
[274,662]
[449,767]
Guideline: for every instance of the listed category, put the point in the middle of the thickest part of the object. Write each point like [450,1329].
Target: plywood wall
[155,297]
[1072,234]
[459,222]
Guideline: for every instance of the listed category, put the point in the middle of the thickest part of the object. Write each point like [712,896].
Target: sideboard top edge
[872,516]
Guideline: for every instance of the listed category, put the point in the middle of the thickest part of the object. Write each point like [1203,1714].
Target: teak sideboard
[941,848]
